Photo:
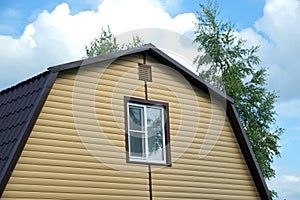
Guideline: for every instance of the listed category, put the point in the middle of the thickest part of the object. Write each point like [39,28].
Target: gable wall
[77,149]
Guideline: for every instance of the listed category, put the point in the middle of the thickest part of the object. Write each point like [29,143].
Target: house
[134,124]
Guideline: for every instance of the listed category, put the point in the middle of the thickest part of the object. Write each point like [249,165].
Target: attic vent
[145,72]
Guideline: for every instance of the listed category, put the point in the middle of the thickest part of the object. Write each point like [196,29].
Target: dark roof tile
[17,107]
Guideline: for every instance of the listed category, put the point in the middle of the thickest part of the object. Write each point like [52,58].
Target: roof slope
[20,106]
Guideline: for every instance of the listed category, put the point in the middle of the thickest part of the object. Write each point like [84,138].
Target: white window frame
[147,158]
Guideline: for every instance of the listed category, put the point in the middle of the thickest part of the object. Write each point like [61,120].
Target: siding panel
[222,172]
[77,147]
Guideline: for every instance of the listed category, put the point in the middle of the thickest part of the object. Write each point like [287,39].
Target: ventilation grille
[145,73]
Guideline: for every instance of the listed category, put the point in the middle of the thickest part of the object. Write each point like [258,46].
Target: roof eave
[248,153]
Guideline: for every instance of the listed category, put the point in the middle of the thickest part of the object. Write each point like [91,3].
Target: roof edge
[96,59]
[65,66]
[157,53]
[206,86]
[33,116]
[248,153]
[19,84]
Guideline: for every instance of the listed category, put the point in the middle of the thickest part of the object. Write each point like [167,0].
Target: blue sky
[38,34]
[15,14]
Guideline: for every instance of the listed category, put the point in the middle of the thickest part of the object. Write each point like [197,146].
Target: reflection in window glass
[155,135]
[137,144]
[136,118]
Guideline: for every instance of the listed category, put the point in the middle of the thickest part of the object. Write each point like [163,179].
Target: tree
[107,43]
[235,69]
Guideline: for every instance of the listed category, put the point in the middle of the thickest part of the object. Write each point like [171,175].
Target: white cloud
[58,36]
[278,35]
[138,14]
[289,109]
[291,178]
[287,186]
[27,35]
[279,20]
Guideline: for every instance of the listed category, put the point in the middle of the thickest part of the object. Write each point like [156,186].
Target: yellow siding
[218,173]
[77,147]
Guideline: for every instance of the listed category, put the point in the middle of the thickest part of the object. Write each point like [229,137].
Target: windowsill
[148,163]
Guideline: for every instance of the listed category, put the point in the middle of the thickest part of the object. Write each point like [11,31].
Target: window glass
[136,118]
[137,144]
[155,133]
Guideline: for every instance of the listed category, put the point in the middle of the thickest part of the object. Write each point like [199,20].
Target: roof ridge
[101,58]
[18,85]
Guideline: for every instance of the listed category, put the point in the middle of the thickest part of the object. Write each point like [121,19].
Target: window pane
[155,133]
[137,144]
[136,119]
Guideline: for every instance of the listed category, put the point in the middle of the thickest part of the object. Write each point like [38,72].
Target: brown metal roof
[20,106]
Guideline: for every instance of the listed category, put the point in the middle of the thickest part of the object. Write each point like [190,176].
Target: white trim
[147,159]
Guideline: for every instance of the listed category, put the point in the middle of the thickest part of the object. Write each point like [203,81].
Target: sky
[35,35]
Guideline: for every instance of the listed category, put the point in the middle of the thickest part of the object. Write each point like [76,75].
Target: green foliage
[107,43]
[136,42]
[234,68]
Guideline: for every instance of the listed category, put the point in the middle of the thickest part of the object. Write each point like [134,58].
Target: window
[147,131]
